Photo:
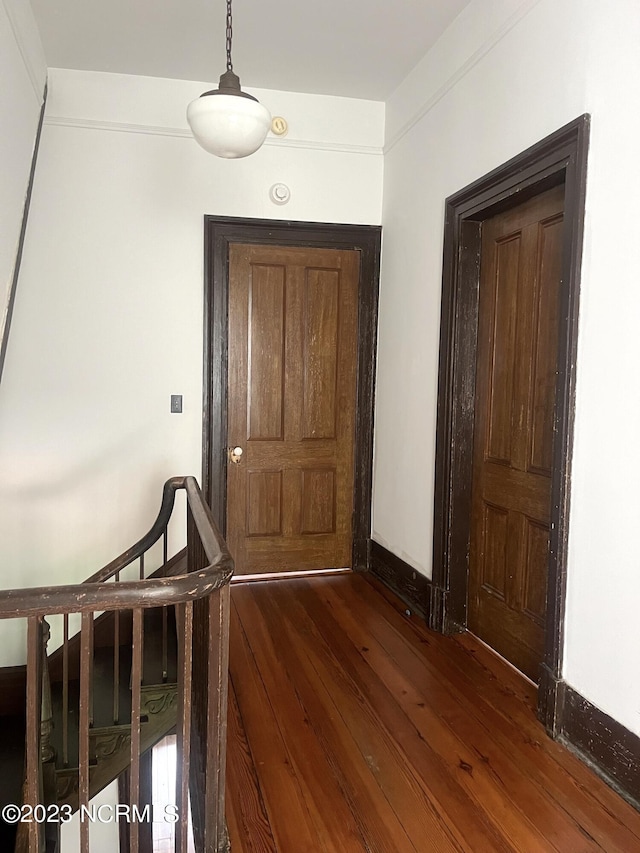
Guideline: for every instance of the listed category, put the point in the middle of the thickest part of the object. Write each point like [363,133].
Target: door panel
[513,435]
[502,342]
[264,503]
[292,398]
[265,356]
[545,346]
[320,353]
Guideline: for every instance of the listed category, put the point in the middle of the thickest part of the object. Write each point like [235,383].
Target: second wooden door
[513,440]
[293,319]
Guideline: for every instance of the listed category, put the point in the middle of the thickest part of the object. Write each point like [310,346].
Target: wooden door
[293,320]
[513,437]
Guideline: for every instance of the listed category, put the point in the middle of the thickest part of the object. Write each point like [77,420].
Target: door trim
[559,158]
[219,233]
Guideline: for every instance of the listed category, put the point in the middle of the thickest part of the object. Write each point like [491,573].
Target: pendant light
[226,121]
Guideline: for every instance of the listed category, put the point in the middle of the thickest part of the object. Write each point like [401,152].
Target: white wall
[22,78]
[602,640]
[506,74]
[108,322]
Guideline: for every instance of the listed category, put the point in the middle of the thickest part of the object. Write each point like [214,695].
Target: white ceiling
[356,48]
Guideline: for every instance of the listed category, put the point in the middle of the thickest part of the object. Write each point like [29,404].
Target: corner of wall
[27,37]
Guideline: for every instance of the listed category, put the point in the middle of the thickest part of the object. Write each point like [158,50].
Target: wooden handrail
[159,526]
[85,597]
[127,595]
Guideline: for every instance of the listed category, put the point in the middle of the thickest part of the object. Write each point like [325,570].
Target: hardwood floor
[354,728]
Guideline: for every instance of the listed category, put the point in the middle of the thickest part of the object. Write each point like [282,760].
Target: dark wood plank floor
[354,728]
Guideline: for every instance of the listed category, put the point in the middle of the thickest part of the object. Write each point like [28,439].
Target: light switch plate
[176,404]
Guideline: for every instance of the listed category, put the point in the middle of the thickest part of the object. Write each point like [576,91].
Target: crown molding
[20,40]
[184,133]
[116,126]
[462,71]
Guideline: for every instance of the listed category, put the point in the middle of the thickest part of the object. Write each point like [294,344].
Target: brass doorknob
[235,455]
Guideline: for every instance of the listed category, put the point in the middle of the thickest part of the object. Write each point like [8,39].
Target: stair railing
[195,583]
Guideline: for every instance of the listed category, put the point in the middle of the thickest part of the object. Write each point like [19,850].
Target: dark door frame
[559,158]
[219,233]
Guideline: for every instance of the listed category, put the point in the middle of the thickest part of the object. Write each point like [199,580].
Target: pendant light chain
[229,36]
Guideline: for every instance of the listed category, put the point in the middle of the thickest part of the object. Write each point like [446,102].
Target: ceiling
[355,48]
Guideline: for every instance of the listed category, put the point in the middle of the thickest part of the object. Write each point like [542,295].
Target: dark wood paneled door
[293,320]
[513,436]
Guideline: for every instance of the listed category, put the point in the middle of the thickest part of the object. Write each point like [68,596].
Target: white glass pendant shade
[228,126]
